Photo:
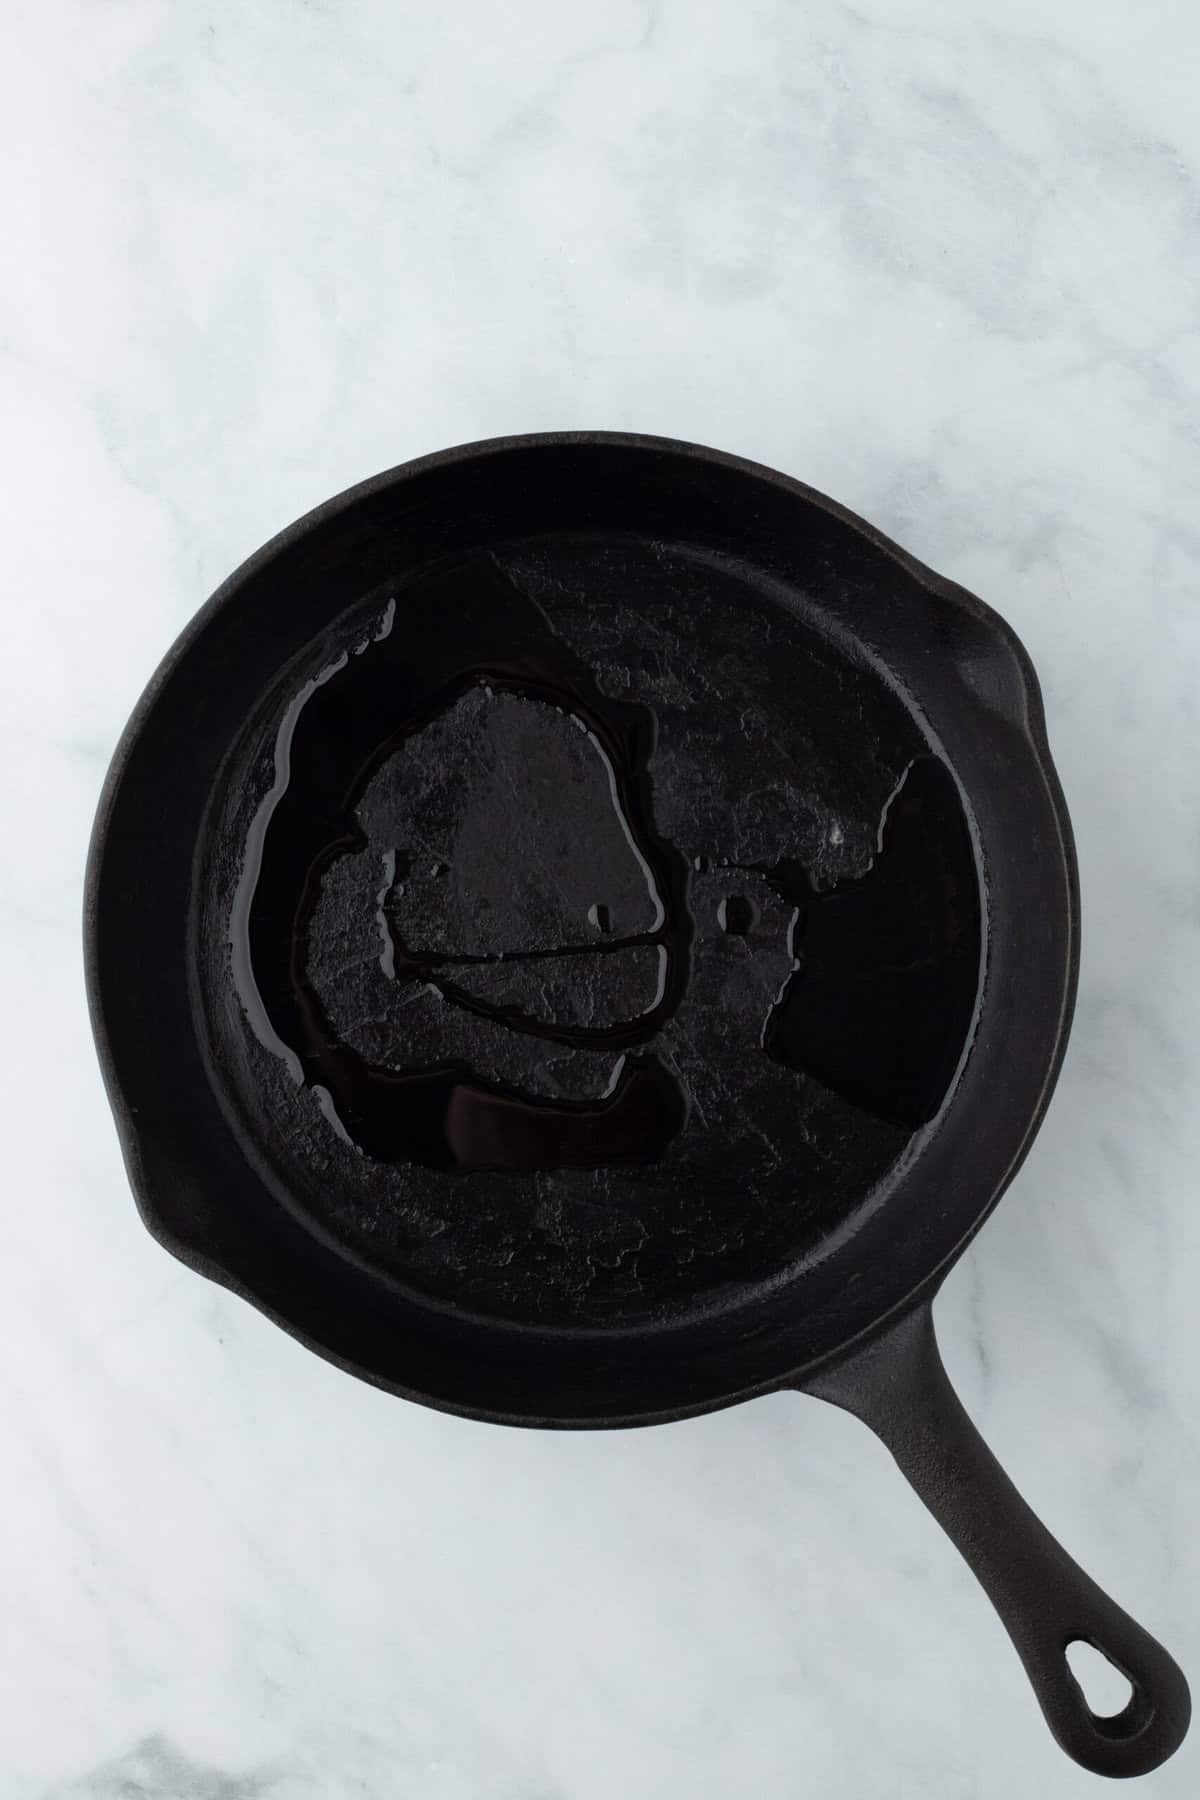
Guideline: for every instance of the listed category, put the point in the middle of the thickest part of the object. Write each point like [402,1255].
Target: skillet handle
[896,1384]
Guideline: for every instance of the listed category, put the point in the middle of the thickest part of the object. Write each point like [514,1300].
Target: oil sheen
[547,959]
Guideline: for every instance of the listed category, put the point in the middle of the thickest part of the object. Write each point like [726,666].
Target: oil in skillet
[504,909]
[888,967]
[525,885]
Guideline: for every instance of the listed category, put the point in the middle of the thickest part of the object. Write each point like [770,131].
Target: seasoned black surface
[590,931]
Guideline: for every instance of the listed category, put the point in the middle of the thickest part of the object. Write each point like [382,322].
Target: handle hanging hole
[1105,1689]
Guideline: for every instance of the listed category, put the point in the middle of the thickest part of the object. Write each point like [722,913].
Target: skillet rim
[182,1230]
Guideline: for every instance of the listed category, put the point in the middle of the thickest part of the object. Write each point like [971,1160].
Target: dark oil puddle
[887,972]
[557,884]
[350,723]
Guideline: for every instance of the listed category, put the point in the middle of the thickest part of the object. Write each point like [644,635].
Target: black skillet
[581,930]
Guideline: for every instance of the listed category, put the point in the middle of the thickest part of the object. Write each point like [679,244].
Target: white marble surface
[938,259]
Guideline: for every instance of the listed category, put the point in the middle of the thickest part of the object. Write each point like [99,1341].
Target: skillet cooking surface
[584,929]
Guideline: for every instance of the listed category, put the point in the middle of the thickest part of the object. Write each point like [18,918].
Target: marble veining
[939,260]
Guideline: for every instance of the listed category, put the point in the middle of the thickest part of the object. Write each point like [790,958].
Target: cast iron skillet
[380,1065]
